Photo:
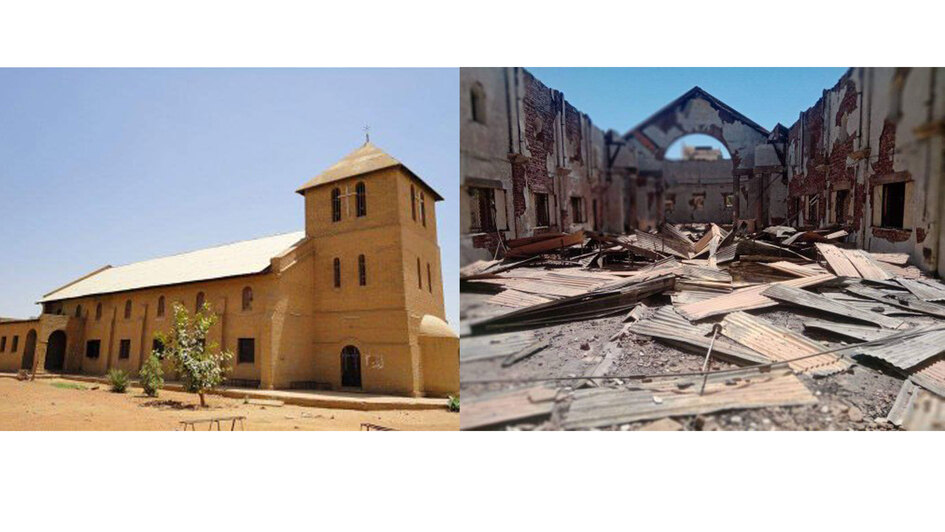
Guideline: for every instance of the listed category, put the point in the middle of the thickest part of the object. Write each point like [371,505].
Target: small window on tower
[98,311]
[160,307]
[419,279]
[201,299]
[423,210]
[336,205]
[128,309]
[477,103]
[247,298]
[78,311]
[429,279]
[361,194]
[413,203]
[362,271]
[337,272]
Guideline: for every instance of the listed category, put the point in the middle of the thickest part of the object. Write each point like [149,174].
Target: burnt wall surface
[868,156]
[696,191]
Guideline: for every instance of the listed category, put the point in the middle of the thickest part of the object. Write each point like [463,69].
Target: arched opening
[477,103]
[55,351]
[696,147]
[350,367]
[247,298]
[29,350]
[697,181]
[361,196]
[336,205]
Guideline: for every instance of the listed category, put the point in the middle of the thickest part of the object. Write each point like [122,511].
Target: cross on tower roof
[367,134]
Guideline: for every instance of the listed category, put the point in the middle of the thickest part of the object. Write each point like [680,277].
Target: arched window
[78,311]
[419,278]
[337,269]
[413,203]
[247,298]
[160,307]
[361,195]
[423,210]
[128,309]
[98,311]
[336,205]
[362,271]
[429,279]
[201,299]
[477,103]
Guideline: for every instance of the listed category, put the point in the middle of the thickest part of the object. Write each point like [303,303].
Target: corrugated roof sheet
[368,158]
[239,258]
[909,348]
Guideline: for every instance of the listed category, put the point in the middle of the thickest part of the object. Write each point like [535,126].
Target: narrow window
[577,210]
[812,207]
[429,279]
[93,348]
[894,204]
[729,200]
[361,196]
[669,203]
[423,210]
[336,205]
[698,201]
[362,271]
[247,298]
[157,347]
[98,312]
[16,344]
[337,268]
[201,299]
[247,350]
[419,279]
[413,203]
[840,206]
[477,103]
[78,311]
[160,307]
[542,213]
[3,344]
[482,209]
[128,309]
[124,349]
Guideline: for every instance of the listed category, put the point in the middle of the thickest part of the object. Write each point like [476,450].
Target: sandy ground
[45,405]
[856,400]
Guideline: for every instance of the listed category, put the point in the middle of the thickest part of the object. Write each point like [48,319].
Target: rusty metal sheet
[679,396]
[798,270]
[899,259]
[597,304]
[838,261]
[545,244]
[516,299]
[491,346]
[870,305]
[780,344]
[803,298]
[866,265]
[667,325]
[931,376]
[506,407]
[923,289]
[917,409]
[744,299]
[857,332]
[661,244]
[906,301]
[908,348]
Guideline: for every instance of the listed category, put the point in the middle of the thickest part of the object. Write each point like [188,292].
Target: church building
[353,302]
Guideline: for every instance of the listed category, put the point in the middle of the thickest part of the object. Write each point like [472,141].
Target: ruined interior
[790,287]
[867,157]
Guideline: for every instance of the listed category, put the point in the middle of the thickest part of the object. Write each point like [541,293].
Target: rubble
[805,320]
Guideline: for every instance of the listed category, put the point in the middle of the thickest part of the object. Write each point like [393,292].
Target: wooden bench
[193,422]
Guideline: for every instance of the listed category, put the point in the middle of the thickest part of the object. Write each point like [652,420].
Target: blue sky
[620,98]
[112,166]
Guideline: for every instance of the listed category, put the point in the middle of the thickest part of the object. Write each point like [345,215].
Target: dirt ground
[855,400]
[52,404]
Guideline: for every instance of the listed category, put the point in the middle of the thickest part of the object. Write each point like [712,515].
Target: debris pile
[776,329]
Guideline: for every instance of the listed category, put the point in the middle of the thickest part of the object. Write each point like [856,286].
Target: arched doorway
[55,351]
[350,367]
[29,350]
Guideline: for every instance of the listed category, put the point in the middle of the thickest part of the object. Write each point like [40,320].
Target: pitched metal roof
[239,258]
[368,158]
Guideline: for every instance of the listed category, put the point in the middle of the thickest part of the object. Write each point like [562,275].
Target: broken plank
[803,298]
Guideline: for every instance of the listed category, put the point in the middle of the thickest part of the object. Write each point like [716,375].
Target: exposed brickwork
[892,235]
[849,102]
[887,147]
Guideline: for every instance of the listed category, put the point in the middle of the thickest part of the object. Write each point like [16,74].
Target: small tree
[118,380]
[151,375]
[201,365]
